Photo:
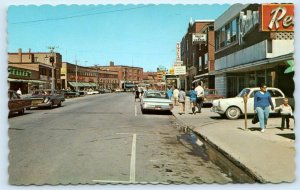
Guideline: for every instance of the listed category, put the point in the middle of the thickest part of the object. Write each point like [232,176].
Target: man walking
[175,96]
[200,97]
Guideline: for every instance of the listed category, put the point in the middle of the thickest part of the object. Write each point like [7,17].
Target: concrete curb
[256,177]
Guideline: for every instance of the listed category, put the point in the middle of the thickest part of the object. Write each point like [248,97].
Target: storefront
[253,54]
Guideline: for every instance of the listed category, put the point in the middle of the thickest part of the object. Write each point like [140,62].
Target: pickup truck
[44,98]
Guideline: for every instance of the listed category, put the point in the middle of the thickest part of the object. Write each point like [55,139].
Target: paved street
[104,139]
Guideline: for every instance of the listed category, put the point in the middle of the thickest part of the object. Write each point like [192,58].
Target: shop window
[200,63]
[233,37]
[206,61]
[228,34]
[216,41]
[223,35]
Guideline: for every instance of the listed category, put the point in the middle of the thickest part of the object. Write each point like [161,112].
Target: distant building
[88,77]
[126,74]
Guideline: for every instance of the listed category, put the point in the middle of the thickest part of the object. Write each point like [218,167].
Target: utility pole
[52,60]
[76,75]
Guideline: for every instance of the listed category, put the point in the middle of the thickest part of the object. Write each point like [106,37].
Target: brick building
[88,77]
[197,52]
[31,70]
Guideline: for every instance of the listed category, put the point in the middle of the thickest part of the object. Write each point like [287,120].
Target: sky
[142,35]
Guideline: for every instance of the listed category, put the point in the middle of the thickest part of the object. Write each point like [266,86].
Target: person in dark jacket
[262,103]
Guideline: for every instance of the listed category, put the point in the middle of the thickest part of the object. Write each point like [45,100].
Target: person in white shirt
[175,96]
[181,99]
[19,92]
[286,112]
[200,97]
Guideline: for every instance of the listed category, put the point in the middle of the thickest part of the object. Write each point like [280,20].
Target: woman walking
[262,102]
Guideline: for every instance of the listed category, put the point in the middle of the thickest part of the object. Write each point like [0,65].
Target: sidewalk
[268,156]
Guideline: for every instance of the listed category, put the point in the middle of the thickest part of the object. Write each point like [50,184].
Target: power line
[77,16]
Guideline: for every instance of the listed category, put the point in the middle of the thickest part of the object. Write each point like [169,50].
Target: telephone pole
[52,60]
[76,75]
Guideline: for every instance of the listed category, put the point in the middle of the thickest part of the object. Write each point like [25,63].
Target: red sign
[277,17]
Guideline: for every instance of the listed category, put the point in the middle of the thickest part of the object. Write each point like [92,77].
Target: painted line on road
[109,181]
[135,112]
[133,158]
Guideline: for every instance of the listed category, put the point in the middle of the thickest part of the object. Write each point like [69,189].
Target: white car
[233,108]
[155,100]
[91,92]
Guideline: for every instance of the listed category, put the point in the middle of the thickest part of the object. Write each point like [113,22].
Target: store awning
[28,81]
[74,84]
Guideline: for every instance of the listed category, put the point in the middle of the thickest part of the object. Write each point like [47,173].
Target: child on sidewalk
[286,112]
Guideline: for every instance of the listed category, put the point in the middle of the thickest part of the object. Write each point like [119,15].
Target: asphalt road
[104,139]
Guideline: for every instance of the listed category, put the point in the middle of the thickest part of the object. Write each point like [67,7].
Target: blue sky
[134,35]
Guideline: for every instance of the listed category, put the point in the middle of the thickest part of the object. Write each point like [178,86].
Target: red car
[16,103]
[210,95]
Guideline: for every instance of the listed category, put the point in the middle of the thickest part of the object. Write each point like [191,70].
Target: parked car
[155,100]
[210,95]
[16,103]
[70,93]
[233,108]
[91,92]
[44,98]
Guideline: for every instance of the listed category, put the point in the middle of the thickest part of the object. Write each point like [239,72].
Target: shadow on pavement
[288,135]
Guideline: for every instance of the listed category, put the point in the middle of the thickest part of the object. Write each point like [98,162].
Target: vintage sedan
[16,103]
[233,108]
[155,100]
[44,98]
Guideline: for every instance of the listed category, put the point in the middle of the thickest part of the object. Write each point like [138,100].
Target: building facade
[253,45]
[126,74]
[197,53]
[33,70]
[88,77]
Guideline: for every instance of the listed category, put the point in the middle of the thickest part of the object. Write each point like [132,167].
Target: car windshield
[243,92]
[154,95]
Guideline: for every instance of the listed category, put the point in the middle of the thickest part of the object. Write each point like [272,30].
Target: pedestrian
[286,112]
[262,103]
[169,93]
[175,96]
[200,97]
[19,92]
[193,99]
[181,99]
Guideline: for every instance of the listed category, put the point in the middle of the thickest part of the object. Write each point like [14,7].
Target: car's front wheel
[233,113]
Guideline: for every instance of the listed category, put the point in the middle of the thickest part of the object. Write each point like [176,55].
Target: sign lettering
[277,17]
